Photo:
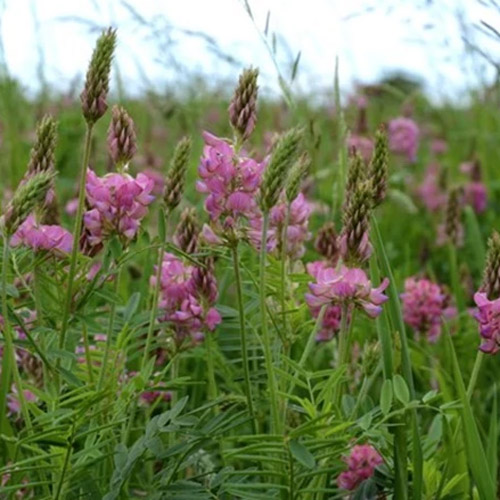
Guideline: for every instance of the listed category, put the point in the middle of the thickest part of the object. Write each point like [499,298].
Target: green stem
[343,337]
[244,347]
[154,305]
[475,373]
[109,334]
[283,273]
[88,359]
[266,339]
[65,466]
[455,277]
[76,238]
[210,345]
[9,367]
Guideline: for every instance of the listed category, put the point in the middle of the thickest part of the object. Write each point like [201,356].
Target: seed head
[284,155]
[176,175]
[42,158]
[326,243]
[95,92]
[243,107]
[379,167]
[491,277]
[29,194]
[186,233]
[297,175]
[121,137]
[355,246]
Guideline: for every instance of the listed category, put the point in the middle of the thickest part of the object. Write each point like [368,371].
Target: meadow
[218,295]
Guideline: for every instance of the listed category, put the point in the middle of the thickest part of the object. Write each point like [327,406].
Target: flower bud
[176,175]
[378,167]
[122,143]
[42,156]
[326,243]
[491,277]
[243,107]
[186,234]
[297,175]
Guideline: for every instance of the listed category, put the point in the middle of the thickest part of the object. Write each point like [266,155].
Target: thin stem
[65,466]
[475,373]
[10,366]
[109,334]
[266,339]
[283,273]
[210,345]
[88,359]
[455,278]
[243,334]
[154,305]
[76,237]
[343,337]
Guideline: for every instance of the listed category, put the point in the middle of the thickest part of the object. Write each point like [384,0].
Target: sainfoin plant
[223,328]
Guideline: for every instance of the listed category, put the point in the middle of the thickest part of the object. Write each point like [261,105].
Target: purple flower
[42,237]
[424,304]
[231,181]
[361,463]
[488,317]
[476,196]
[430,192]
[403,137]
[363,145]
[346,286]
[13,403]
[117,204]
[297,231]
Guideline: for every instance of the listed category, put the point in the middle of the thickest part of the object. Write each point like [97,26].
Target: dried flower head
[121,137]
[243,107]
[355,246]
[42,156]
[186,233]
[378,167]
[29,194]
[95,92]
[283,156]
[176,175]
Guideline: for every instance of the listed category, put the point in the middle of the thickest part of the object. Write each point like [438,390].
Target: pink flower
[158,180]
[361,464]
[13,399]
[71,207]
[439,146]
[430,192]
[346,286]
[476,196]
[424,304]
[363,145]
[117,204]
[42,237]
[230,181]
[488,317]
[297,231]
[403,137]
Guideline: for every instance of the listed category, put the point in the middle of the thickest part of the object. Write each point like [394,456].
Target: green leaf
[302,454]
[131,306]
[401,390]
[162,229]
[386,397]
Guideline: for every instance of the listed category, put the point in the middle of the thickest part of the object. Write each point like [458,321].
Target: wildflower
[297,229]
[476,196]
[186,233]
[326,243]
[42,237]
[122,143]
[95,92]
[361,463]
[362,145]
[439,146]
[430,191]
[242,110]
[491,277]
[488,317]
[231,182]
[403,137]
[42,157]
[13,403]
[117,203]
[346,286]
[424,304]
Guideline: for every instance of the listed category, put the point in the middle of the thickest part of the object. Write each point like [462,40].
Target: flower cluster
[42,237]
[297,229]
[403,137]
[424,305]
[186,307]
[230,180]
[117,203]
[488,317]
[361,465]
[430,191]
[346,286]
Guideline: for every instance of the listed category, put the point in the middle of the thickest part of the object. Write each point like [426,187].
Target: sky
[168,41]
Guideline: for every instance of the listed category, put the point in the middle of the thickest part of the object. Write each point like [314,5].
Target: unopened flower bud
[326,243]
[204,282]
[176,175]
[355,174]
[378,167]
[284,155]
[42,156]
[243,107]
[297,175]
[122,143]
[186,234]
[453,227]
[95,92]
[491,277]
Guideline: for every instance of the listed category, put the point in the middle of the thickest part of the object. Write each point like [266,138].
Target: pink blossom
[297,231]
[346,286]
[488,317]
[424,304]
[158,180]
[13,399]
[117,204]
[42,237]
[230,181]
[71,207]
[403,137]
[430,192]
[439,146]
[476,196]
[363,145]
[361,464]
